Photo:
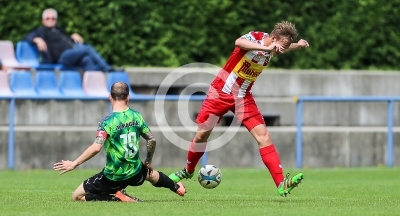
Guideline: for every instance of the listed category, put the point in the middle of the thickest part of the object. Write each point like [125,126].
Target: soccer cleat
[180,189]
[288,184]
[124,197]
[181,174]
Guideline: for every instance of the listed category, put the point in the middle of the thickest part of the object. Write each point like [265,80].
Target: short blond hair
[285,29]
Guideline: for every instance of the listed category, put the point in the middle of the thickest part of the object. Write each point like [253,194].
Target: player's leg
[247,112]
[197,148]
[79,193]
[92,189]
[214,106]
[159,179]
[100,188]
[254,122]
[195,152]
[210,113]
[270,157]
[267,150]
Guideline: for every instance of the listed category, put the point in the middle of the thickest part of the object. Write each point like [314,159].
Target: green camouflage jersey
[122,131]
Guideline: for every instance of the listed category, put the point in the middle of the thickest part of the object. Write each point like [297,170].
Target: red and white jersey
[243,68]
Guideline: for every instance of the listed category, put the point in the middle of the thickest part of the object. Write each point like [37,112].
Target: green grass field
[365,191]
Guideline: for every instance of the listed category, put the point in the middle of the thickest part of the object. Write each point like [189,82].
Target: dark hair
[119,91]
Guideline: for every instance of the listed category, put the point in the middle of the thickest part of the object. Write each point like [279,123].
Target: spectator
[56,46]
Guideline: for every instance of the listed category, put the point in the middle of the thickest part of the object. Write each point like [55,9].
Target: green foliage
[343,34]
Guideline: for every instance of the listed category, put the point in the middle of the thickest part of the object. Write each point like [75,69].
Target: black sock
[100,197]
[166,182]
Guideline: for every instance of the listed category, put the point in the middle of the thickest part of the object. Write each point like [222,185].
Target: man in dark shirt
[56,46]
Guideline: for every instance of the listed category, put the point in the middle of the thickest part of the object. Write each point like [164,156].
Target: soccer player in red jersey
[231,91]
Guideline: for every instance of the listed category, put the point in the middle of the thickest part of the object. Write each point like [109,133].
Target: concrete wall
[40,147]
[82,113]
[284,83]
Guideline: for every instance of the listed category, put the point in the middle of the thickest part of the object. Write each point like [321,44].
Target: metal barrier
[138,97]
[299,118]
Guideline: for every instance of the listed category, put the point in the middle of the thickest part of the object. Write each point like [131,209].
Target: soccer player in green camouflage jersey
[119,133]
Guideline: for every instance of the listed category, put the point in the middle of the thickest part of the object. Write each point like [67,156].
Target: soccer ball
[209,176]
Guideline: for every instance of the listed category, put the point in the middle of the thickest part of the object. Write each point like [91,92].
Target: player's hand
[149,167]
[64,166]
[275,48]
[303,43]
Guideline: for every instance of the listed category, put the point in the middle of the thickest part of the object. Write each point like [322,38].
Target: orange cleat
[124,197]
[181,189]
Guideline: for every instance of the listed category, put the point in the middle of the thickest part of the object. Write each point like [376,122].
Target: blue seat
[114,77]
[71,84]
[27,53]
[21,83]
[46,84]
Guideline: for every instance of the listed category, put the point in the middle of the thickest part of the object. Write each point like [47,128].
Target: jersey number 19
[129,143]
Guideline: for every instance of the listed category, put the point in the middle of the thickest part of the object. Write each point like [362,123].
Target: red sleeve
[102,134]
[254,36]
[257,35]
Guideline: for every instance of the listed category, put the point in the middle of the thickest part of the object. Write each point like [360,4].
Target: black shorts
[100,184]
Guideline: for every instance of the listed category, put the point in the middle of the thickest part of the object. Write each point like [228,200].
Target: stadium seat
[27,53]
[46,83]
[4,85]
[7,57]
[118,77]
[21,83]
[94,83]
[71,84]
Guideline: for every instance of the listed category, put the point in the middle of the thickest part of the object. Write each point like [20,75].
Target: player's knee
[200,138]
[264,139]
[75,197]
[153,177]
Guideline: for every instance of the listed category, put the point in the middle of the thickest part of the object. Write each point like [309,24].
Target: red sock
[271,160]
[195,152]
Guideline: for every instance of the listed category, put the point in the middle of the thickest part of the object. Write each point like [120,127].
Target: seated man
[56,46]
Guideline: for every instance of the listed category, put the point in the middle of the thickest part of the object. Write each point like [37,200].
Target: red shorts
[218,103]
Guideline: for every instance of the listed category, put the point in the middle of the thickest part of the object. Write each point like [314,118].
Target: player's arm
[146,133]
[151,146]
[92,150]
[301,44]
[246,44]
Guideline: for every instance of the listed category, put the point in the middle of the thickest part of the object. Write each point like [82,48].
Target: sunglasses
[50,18]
